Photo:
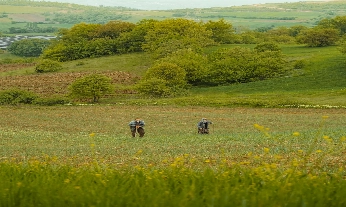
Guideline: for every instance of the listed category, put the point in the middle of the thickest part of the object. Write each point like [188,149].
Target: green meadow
[85,156]
[276,142]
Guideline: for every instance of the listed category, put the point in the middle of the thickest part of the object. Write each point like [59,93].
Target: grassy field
[84,155]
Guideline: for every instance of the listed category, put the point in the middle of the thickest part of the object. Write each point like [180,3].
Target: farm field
[76,151]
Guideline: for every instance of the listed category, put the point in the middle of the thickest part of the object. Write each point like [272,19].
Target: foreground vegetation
[84,155]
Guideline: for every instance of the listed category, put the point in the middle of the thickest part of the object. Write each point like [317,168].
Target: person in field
[203,126]
[137,126]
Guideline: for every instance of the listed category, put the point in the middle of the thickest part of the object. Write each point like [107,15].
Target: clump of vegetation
[17,96]
[299,64]
[163,79]
[241,65]
[91,87]
[46,66]
[28,47]
[51,101]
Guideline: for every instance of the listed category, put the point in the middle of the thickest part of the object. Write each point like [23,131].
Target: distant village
[6,41]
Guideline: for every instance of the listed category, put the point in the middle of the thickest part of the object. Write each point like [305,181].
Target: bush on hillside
[318,37]
[267,46]
[17,96]
[91,87]
[51,101]
[154,87]
[48,66]
[241,65]
[163,79]
[194,64]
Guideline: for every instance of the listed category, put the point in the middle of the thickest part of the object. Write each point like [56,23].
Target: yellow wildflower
[266,150]
[296,134]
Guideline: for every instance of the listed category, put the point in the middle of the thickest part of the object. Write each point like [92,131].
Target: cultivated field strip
[56,83]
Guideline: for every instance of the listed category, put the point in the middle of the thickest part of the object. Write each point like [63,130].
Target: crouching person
[137,126]
[203,126]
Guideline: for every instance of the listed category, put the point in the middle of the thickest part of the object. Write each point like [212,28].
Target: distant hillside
[54,15]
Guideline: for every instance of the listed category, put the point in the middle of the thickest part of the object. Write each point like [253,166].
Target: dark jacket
[204,124]
[134,123]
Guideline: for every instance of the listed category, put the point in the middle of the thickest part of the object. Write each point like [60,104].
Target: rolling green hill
[320,83]
[63,15]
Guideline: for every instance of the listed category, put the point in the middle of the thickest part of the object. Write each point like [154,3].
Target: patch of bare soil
[14,66]
[57,83]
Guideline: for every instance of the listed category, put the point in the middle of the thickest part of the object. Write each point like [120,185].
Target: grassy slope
[320,82]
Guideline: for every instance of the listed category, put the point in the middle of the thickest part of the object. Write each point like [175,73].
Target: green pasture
[171,131]
[84,155]
[27,9]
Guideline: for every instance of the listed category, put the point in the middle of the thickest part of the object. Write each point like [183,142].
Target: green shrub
[267,46]
[91,87]
[194,64]
[17,96]
[299,64]
[163,79]
[48,66]
[154,87]
[51,101]
[28,47]
[171,73]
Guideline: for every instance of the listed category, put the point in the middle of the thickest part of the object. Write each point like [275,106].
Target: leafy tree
[87,40]
[28,47]
[163,79]
[339,23]
[113,29]
[92,86]
[81,31]
[296,30]
[318,37]
[251,37]
[222,32]
[133,40]
[172,73]
[71,43]
[171,35]
[194,64]
[279,35]
[241,65]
